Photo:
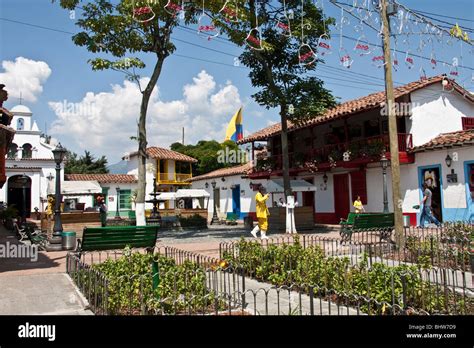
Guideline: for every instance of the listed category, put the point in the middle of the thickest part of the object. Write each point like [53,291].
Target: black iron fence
[327,279]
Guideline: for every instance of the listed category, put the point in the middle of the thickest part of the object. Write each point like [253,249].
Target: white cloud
[104,122]
[26,76]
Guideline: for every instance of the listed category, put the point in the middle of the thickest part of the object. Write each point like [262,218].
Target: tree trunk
[142,144]
[284,152]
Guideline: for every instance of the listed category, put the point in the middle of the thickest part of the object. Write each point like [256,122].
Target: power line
[37,26]
[443,16]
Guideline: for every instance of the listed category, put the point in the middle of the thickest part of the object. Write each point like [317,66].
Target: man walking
[426,213]
[262,213]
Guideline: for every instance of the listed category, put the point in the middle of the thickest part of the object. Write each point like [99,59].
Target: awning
[185,193]
[166,196]
[191,193]
[77,188]
[276,185]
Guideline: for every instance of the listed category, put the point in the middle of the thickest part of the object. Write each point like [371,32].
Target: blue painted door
[236,201]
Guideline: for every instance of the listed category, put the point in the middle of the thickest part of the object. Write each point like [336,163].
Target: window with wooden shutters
[467,123]
[359,186]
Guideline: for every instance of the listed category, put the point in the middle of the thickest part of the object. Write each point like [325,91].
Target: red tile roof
[103,178]
[355,106]
[161,153]
[444,140]
[237,170]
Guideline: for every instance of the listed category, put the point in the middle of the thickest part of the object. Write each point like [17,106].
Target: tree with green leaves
[283,42]
[86,164]
[121,29]
[211,155]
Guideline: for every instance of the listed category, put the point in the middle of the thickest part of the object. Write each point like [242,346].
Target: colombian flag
[235,131]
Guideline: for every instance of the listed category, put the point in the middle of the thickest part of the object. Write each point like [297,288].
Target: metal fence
[209,286]
[448,247]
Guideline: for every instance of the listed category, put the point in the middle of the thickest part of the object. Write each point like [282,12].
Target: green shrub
[335,277]
[129,287]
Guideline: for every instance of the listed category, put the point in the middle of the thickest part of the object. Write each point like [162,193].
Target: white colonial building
[30,167]
[339,154]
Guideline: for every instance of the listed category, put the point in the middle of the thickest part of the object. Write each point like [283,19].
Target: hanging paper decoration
[361,46]
[395,61]
[323,45]
[283,23]
[409,62]
[254,37]
[422,74]
[306,55]
[291,109]
[378,58]
[174,7]
[454,68]
[421,45]
[230,11]
[206,27]
[433,61]
[345,59]
[143,14]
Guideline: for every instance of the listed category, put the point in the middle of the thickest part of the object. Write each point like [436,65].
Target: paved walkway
[36,284]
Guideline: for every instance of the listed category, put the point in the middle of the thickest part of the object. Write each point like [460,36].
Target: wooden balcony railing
[172,178]
[365,148]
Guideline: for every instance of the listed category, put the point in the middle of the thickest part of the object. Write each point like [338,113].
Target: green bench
[367,222]
[108,238]
[350,219]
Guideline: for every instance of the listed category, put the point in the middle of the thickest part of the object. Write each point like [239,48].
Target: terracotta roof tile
[237,170]
[161,153]
[459,138]
[103,178]
[355,106]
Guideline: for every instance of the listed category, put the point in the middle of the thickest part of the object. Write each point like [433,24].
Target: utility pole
[183,136]
[392,126]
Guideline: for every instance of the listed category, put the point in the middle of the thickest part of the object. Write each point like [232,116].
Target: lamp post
[215,219]
[55,243]
[117,211]
[384,161]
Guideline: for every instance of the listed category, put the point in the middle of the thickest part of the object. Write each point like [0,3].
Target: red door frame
[341,195]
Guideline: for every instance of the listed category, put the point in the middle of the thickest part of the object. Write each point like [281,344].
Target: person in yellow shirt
[358,205]
[262,213]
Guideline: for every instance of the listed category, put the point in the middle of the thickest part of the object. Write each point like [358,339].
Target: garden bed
[377,288]
[138,284]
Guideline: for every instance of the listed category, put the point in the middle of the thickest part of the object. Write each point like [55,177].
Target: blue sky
[199,95]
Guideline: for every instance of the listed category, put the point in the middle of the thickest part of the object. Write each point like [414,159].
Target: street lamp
[384,162]
[215,219]
[55,243]
[117,211]
[448,160]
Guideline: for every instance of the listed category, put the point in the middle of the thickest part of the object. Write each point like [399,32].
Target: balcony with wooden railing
[173,178]
[349,155]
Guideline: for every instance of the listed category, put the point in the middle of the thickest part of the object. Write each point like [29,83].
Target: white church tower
[30,166]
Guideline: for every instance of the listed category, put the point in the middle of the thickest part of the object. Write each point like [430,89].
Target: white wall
[454,194]
[324,198]
[247,195]
[435,112]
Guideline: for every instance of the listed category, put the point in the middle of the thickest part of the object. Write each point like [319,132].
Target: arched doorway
[19,193]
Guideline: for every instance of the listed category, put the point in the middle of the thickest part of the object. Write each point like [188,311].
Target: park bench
[117,237]
[350,219]
[368,222]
